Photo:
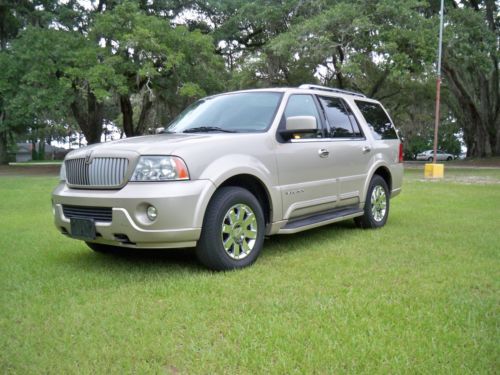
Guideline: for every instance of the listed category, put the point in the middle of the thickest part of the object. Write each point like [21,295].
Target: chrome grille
[95,213]
[101,172]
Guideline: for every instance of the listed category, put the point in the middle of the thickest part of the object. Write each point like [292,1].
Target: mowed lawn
[418,296]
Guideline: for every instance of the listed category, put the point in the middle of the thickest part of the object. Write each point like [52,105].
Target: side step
[323,218]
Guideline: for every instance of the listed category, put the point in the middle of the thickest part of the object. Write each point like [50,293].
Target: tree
[14,16]
[150,59]
[65,62]
[56,74]
[385,49]
[79,62]
[471,69]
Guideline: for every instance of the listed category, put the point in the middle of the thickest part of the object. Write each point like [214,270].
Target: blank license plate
[83,229]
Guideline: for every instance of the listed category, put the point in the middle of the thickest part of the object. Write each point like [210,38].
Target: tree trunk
[147,104]
[90,120]
[128,115]
[4,156]
[496,146]
[338,73]
[41,149]
[378,84]
[95,113]
[482,145]
[475,113]
[4,141]
[34,153]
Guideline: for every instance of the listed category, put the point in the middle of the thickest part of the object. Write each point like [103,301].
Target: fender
[227,166]
[376,165]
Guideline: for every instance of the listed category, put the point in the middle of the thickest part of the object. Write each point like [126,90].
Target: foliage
[144,55]
[74,69]
[138,63]
[14,16]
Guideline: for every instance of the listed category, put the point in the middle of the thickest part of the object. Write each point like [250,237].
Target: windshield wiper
[203,129]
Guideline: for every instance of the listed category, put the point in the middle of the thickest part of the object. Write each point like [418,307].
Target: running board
[317,220]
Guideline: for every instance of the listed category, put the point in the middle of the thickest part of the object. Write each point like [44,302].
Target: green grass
[419,296]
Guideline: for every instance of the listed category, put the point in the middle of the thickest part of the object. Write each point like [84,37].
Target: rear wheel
[376,208]
[233,230]
[449,158]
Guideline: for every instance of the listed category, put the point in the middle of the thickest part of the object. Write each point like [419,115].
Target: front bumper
[180,205]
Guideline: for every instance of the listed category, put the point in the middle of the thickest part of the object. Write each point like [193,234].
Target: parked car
[233,168]
[429,156]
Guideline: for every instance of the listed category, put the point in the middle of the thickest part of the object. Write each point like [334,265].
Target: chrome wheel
[239,231]
[378,203]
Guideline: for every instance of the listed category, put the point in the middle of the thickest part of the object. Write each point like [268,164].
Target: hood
[159,144]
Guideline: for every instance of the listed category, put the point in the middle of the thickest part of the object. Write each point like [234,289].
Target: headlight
[160,168]
[62,173]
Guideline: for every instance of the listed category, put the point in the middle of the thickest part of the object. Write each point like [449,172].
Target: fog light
[152,213]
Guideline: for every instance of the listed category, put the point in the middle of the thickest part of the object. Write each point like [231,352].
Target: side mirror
[298,125]
[301,124]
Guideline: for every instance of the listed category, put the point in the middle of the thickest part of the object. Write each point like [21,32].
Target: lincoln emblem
[88,157]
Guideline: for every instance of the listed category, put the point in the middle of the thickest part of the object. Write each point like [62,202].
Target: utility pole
[434,170]
[438,81]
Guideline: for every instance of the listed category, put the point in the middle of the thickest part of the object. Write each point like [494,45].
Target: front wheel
[233,230]
[376,208]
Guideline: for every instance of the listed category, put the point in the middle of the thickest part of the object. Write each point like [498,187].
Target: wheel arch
[255,186]
[248,172]
[381,170]
[385,173]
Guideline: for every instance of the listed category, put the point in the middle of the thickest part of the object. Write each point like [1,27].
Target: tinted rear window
[340,118]
[377,120]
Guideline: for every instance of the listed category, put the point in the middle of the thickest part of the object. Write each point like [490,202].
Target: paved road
[53,170]
[29,170]
[458,164]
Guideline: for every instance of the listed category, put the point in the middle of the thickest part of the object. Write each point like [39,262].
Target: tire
[430,159]
[100,248]
[376,210]
[233,230]
[449,158]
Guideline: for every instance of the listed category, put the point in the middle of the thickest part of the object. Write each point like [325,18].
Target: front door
[307,181]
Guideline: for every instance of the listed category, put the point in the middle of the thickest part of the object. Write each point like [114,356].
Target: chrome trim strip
[313,140]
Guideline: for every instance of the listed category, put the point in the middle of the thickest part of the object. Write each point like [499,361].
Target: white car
[429,155]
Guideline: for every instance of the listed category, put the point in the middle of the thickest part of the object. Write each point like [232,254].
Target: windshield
[231,113]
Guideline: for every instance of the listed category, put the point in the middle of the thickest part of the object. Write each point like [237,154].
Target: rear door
[350,150]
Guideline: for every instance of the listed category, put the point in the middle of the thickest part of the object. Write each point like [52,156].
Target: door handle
[323,153]
[366,149]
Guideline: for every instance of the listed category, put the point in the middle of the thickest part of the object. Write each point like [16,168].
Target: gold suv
[233,168]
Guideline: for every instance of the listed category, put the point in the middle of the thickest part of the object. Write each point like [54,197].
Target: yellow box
[434,170]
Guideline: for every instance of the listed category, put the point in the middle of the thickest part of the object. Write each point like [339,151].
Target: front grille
[101,172]
[96,213]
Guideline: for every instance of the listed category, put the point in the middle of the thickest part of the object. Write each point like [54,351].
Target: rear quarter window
[377,120]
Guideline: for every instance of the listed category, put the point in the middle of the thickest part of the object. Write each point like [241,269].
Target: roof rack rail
[324,88]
